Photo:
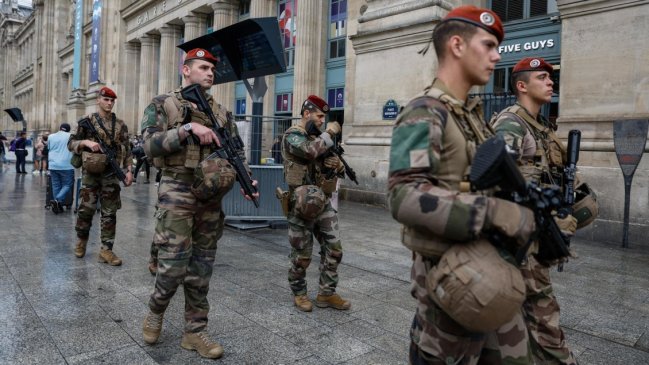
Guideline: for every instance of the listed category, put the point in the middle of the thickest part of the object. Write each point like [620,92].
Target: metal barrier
[242,214]
[493,103]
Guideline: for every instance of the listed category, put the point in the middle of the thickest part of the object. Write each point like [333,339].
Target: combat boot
[333,301]
[80,248]
[108,257]
[152,327]
[153,265]
[303,303]
[202,343]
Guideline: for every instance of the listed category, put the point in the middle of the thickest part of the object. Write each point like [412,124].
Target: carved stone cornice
[389,24]
[577,8]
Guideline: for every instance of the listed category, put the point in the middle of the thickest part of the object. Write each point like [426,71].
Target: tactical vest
[180,111]
[464,130]
[299,171]
[545,163]
[109,134]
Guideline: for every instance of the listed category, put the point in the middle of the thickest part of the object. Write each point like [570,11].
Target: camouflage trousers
[97,188]
[541,312]
[300,236]
[437,339]
[186,234]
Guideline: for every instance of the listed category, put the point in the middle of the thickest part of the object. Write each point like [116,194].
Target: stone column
[224,15]
[167,77]
[132,110]
[192,29]
[309,57]
[147,79]
[403,74]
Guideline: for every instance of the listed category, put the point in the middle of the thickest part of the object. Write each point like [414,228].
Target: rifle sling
[101,125]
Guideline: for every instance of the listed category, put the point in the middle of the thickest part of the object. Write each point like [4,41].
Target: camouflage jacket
[433,143]
[160,124]
[114,135]
[302,154]
[540,153]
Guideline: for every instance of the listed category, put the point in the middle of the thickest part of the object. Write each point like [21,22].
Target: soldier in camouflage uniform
[311,176]
[433,143]
[189,220]
[97,186]
[541,157]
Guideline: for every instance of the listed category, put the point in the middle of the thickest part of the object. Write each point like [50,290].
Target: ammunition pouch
[284,199]
[94,163]
[476,287]
[422,243]
[328,186]
[294,173]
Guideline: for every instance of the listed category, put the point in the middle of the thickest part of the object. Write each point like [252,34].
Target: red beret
[483,18]
[200,54]
[315,102]
[532,64]
[107,92]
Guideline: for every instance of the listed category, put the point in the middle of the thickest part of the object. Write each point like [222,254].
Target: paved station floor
[58,309]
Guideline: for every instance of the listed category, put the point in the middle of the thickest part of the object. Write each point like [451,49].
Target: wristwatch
[188,128]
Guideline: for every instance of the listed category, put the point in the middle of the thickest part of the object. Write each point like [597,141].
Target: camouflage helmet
[474,285]
[585,209]
[310,201]
[213,178]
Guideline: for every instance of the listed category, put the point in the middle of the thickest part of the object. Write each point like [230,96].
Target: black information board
[630,138]
[245,50]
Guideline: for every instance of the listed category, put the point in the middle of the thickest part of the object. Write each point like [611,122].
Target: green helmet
[214,177]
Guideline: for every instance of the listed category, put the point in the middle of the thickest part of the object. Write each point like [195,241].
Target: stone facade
[605,77]
[138,59]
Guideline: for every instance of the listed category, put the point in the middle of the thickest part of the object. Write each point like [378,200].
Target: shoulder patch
[149,120]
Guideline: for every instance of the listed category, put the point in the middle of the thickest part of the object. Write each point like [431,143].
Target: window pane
[499,80]
[278,103]
[341,48]
[333,49]
[340,97]
[538,7]
[331,97]
[515,9]
[334,10]
[500,8]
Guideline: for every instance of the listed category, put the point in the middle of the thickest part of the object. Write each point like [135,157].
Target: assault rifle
[569,173]
[337,150]
[229,145]
[493,166]
[111,155]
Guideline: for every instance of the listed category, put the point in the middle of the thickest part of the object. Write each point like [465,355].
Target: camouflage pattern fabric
[541,313]
[162,118]
[541,309]
[186,234]
[297,146]
[300,236]
[187,228]
[120,142]
[98,188]
[433,142]
[214,178]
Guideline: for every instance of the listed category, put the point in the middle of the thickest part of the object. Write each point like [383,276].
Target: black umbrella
[247,49]
[15,114]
